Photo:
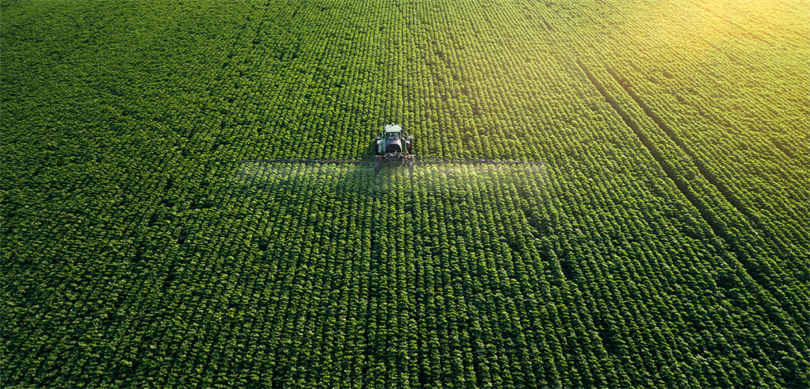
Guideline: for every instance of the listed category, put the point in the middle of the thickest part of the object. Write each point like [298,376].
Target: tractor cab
[391,140]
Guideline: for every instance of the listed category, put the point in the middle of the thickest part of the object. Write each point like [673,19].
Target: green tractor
[393,147]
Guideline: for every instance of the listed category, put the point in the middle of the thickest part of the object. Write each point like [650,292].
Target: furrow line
[704,171]
[716,225]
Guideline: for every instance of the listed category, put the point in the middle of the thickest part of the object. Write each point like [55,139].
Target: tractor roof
[393,128]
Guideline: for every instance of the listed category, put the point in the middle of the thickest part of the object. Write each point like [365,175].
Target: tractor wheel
[410,144]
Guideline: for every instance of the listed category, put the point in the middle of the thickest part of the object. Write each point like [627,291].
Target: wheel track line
[665,165]
[776,314]
[706,212]
[753,220]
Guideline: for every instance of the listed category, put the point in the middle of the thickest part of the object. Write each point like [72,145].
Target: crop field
[661,239]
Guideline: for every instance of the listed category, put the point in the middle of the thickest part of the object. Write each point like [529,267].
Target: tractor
[393,147]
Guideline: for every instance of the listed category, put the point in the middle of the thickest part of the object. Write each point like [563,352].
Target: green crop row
[662,242]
